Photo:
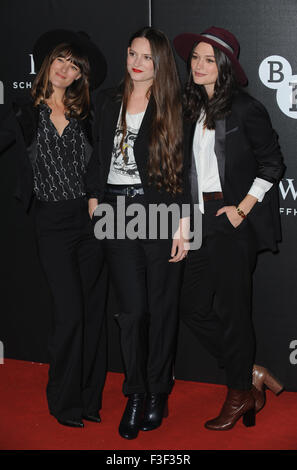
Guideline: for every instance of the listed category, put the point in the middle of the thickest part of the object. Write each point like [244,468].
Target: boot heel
[156,409]
[274,385]
[249,418]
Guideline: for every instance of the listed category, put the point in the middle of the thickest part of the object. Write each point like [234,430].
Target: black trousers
[217,294]
[147,288]
[73,263]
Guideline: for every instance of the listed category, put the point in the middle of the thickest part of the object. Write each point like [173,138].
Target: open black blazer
[107,109]
[21,125]
[246,147]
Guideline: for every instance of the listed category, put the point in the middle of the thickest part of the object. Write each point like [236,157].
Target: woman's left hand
[93,204]
[231,212]
[180,243]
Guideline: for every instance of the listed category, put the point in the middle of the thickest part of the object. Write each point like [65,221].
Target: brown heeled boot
[262,378]
[238,403]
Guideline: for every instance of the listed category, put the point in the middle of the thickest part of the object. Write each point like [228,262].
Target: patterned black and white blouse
[61,160]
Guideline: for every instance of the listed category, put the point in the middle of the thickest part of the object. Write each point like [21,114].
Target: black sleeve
[92,178]
[185,197]
[7,131]
[264,142]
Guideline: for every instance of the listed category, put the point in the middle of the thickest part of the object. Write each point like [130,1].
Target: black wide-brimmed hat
[217,37]
[49,40]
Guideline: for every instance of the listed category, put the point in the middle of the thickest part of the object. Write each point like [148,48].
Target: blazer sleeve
[185,197]
[8,133]
[264,142]
[92,178]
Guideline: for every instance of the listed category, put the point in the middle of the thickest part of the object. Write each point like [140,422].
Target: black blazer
[107,109]
[20,126]
[246,147]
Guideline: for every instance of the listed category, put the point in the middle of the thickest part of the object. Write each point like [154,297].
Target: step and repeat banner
[266,30]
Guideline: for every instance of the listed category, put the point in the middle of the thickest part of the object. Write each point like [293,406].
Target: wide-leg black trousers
[217,294]
[147,288]
[73,263]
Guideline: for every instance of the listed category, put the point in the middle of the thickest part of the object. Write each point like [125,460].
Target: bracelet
[240,212]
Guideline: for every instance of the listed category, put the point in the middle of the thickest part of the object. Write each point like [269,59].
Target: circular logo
[286,96]
[273,70]
[276,72]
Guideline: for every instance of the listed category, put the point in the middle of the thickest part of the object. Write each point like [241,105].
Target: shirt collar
[45,107]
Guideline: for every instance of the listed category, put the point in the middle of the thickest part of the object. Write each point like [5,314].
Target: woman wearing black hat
[236,164]
[140,159]
[55,134]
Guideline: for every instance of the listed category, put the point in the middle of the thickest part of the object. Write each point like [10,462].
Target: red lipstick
[137,70]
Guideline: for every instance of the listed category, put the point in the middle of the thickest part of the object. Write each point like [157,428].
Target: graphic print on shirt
[123,161]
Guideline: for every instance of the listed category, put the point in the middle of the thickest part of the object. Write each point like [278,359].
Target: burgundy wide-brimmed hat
[81,40]
[217,37]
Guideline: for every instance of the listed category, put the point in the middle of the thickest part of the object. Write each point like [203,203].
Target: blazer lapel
[146,121]
[107,133]
[141,145]
[142,140]
[193,177]
[220,148]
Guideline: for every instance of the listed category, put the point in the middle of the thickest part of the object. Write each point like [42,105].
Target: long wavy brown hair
[196,100]
[77,96]
[165,150]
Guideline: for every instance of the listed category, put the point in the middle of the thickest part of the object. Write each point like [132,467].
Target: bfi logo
[275,72]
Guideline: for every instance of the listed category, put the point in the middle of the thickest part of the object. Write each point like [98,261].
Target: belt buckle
[131,192]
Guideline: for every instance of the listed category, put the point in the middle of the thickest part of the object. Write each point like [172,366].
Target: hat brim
[184,43]
[49,40]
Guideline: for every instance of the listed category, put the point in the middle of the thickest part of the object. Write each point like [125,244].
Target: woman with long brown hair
[236,164]
[54,132]
[139,158]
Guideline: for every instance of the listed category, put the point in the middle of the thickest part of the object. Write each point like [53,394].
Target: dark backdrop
[264,28]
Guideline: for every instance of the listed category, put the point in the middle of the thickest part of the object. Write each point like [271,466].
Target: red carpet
[26,425]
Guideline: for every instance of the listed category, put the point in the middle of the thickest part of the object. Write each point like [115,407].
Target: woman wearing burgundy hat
[235,166]
[53,132]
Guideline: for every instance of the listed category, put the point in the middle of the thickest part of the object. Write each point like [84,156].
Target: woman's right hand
[93,203]
[180,242]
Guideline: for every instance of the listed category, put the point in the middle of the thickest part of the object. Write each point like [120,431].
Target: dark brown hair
[218,106]
[77,96]
[165,149]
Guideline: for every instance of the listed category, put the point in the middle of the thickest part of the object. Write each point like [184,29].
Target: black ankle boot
[156,409]
[131,419]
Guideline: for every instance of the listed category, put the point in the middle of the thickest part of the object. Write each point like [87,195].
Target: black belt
[216,195]
[129,191]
